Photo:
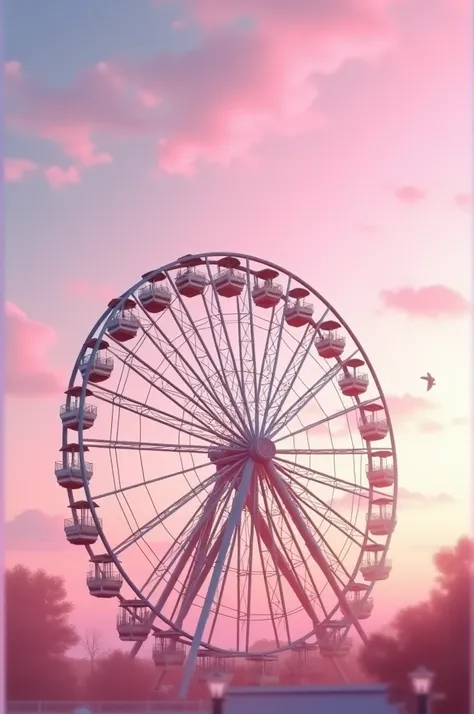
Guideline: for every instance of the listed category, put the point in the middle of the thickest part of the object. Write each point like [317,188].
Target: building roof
[326,699]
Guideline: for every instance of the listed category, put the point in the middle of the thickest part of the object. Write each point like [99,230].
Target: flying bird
[431,381]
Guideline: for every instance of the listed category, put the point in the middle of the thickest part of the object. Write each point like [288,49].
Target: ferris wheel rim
[102,325]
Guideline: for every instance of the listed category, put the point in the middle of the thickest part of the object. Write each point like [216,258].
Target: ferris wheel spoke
[211,533]
[252,358]
[277,424]
[327,419]
[334,561]
[311,544]
[186,554]
[296,585]
[294,540]
[199,359]
[325,479]
[147,446]
[198,577]
[175,548]
[272,551]
[343,524]
[190,546]
[271,354]
[222,587]
[239,579]
[266,579]
[325,452]
[148,482]
[164,515]
[170,390]
[230,526]
[148,412]
[252,502]
[291,373]
[225,352]
[266,529]
[193,381]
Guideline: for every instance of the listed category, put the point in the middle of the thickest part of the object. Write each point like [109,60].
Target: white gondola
[333,643]
[168,651]
[154,297]
[357,603]
[265,293]
[328,343]
[124,323]
[81,528]
[70,413]
[190,282]
[229,281]
[299,312]
[103,580]
[379,521]
[102,365]
[68,471]
[372,568]
[381,472]
[371,423]
[262,669]
[210,664]
[352,383]
[132,621]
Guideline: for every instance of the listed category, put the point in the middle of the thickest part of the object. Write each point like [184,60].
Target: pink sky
[330,138]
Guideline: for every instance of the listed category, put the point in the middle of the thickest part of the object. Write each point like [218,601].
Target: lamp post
[218,683]
[422,681]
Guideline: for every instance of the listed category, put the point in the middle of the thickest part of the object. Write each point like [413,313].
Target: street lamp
[422,681]
[218,683]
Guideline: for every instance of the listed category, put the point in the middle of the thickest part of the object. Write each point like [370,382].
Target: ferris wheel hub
[263,450]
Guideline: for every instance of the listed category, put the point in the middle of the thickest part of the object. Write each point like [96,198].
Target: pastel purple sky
[331,137]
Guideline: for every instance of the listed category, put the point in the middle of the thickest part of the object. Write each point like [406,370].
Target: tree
[116,677]
[92,643]
[38,636]
[434,633]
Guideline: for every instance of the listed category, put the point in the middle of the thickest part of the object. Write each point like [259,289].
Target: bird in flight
[431,381]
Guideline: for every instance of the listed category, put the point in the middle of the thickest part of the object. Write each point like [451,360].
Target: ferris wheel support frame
[233,520]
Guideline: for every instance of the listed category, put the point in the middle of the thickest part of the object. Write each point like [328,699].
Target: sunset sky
[331,137]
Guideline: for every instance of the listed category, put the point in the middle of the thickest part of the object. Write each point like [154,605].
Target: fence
[162,707]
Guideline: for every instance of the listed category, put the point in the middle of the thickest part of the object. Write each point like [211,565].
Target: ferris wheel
[236,462]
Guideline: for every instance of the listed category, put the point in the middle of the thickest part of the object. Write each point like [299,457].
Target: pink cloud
[14,170]
[368,228]
[407,406]
[410,194]
[35,530]
[221,97]
[431,427]
[460,421]
[147,99]
[69,116]
[83,289]
[406,499]
[58,177]
[432,301]
[13,69]
[464,201]
[28,372]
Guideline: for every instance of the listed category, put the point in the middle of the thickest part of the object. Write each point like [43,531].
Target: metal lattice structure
[244,465]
